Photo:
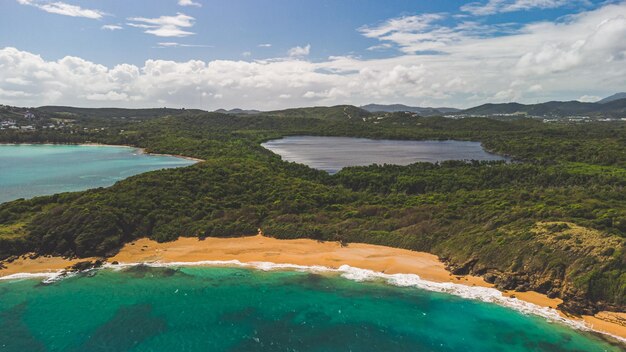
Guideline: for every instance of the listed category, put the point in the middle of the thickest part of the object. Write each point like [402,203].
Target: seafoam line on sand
[47,277]
[483,294]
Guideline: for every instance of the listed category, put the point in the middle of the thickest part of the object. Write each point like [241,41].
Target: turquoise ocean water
[28,170]
[240,309]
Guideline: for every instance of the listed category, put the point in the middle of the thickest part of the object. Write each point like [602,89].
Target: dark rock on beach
[86,265]
[463,269]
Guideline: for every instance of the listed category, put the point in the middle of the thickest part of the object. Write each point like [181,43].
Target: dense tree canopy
[553,220]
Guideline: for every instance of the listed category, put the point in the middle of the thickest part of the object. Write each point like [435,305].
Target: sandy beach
[307,253]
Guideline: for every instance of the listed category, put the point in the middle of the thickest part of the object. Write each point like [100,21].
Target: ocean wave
[478,293]
[47,278]
[483,294]
[264,266]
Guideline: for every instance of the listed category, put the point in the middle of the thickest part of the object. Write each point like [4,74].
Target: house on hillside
[29,115]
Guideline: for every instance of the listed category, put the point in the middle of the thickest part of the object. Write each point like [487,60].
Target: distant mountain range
[70,112]
[609,107]
[404,108]
[613,97]
[612,108]
[238,112]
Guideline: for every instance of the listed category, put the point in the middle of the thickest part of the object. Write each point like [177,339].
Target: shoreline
[356,261]
[140,149]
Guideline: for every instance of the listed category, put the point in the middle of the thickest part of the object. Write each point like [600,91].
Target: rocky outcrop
[574,301]
[86,265]
[554,261]
[463,268]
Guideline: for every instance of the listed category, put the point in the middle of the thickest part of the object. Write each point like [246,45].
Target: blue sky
[224,29]
[285,53]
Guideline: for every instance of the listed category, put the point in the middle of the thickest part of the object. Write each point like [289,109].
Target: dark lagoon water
[331,154]
[240,309]
[29,170]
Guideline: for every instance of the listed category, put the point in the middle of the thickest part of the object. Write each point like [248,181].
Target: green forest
[551,220]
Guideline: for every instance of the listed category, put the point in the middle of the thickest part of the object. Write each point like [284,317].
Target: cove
[30,170]
[331,154]
[145,308]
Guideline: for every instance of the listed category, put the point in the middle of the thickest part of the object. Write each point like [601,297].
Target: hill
[617,96]
[335,113]
[615,108]
[238,111]
[404,108]
[72,112]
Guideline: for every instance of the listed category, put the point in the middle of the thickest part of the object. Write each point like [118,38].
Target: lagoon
[331,154]
[30,170]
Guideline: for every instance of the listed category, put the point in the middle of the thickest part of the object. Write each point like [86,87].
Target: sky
[274,54]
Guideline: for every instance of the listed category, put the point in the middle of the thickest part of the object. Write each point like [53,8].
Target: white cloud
[504,96]
[181,45]
[582,55]
[61,8]
[111,27]
[109,96]
[13,94]
[589,98]
[327,94]
[299,51]
[246,54]
[266,45]
[598,40]
[499,6]
[139,25]
[168,44]
[164,26]
[17,81]
[425,32]
[480,9]
[417,23]
[189,3]
[383,46]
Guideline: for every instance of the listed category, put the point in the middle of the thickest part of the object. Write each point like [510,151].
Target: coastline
[356,259]
[141,150]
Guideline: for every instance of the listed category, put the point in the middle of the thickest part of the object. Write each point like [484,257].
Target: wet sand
[308,253]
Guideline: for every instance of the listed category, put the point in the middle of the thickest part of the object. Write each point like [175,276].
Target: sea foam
[47,278]
[483,294]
